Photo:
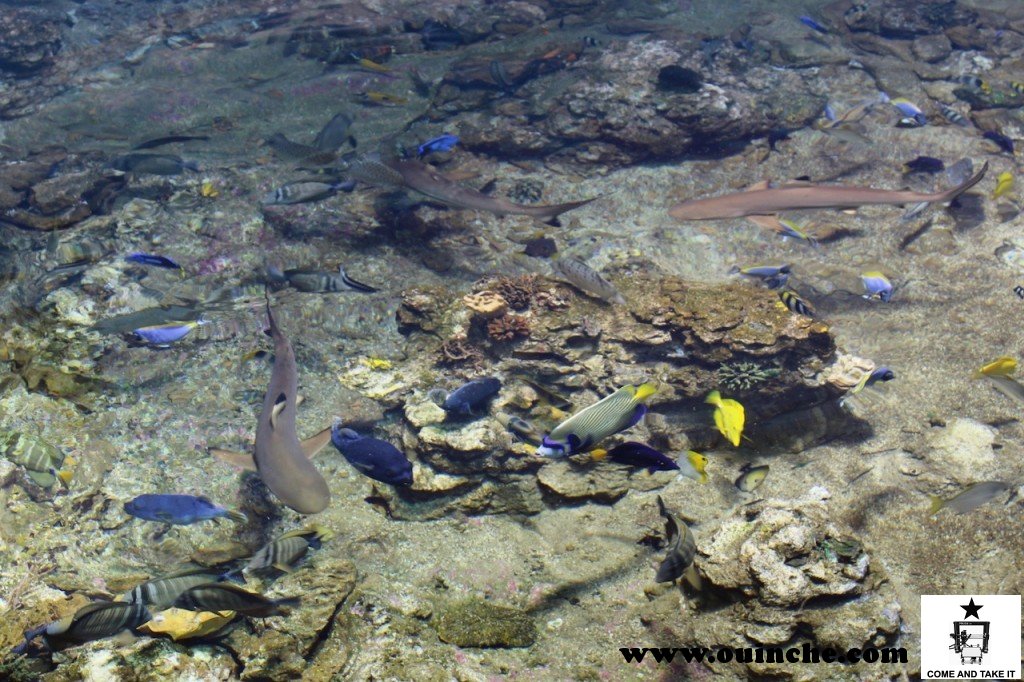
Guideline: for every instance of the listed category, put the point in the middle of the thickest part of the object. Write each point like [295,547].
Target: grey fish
[219,597]
[299,193]
[587,279]
[280,459]
[422,178]
[40,459]
[170,139]
[321,281]
[682,547]
[161,593]
[294,151]
[286,551]
[94,621]
[1008,386]
[372,171]
[153,164]
[797,196]
[335,134]
[970,498]
[751,477]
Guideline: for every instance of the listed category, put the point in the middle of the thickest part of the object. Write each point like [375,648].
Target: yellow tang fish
[729,416]
[1000,367]
[1004,184]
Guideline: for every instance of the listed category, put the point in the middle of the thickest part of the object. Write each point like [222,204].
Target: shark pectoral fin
[315,443]
[299,399]
[769,222]
[242,460]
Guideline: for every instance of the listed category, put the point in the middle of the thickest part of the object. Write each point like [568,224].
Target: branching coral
[458,351]
[741,376]
[508,327]
[518,291]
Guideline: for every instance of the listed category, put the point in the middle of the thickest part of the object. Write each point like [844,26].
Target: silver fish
[153,164]
[299,193]
[286,551]
[335,134]
[161,593]
[587,279]
[970,498]
[682,547]
[1008,386]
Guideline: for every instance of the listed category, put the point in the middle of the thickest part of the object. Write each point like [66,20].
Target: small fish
[876,285]
[640,455]
[1008,386]
[218,597]
[440,36]
[772,276]
[169,332]
[970,498]
[1000,367]
[1004,184]
[751,477]
[154,260]
[953,116]
[372,457]
[911,122]
[42,461]
[906,107]
[170,139]
[924,164]
[587,279]
[693,465]
[869,379]
[369,64]
[178,509]
[682,547]
[300,193]
[94,621]
[793,301]
[729,416]
[791,230]
[336,133]
[588,427]
[1017,87]
[208,190]
[287,550]
[470,396]
[974,82]
[153,164]
[814,25]
[161,593]
[383,99]
[520,428]
[443,143]
[999,140]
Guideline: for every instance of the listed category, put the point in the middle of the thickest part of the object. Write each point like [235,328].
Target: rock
[963,449]
[907,18]
[602,482]
[933,48]
[32,39]
[477,622]
[424,413]
[9,473]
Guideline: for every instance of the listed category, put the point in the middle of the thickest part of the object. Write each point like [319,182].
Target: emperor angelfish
[588,427]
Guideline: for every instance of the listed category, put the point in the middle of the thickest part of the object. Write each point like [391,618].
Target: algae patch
[478,623]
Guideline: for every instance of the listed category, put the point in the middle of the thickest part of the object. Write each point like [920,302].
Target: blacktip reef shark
[764,200]
[424,179]
[280,459]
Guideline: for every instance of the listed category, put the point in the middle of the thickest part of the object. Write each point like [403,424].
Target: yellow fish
[599,453]
[692,465]
[377,363]
[208,190]
[383,99]
[1000,367]
[729,416]
[1004,184]
[369,64]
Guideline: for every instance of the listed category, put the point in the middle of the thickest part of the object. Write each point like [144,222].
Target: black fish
[464,399]
[640,455]
[153,164]
[924,164]
[682,547]
[440,36]
[170,139]
[1002,141]
[378,459]
[154,260]
[228,597]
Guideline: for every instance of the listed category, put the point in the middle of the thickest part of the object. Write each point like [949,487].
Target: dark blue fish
[438,144]
[378,459]
[640,455]
[464,399]
[880,374]
[811,23]
[924,164]
[440,36]
[156,261]
[178,509]
[1000,140]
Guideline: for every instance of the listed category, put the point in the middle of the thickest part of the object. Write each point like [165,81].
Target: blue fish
[156,261]
[772,276]
[640,455]
[163,334]
[812,24]
[438,144]
[178,509]
[1002,141]
[378,459]
[877,286]
[463,400]
[882,373]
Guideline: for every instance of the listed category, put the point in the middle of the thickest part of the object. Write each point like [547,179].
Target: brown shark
[765,201]
[422,178]
[280,459]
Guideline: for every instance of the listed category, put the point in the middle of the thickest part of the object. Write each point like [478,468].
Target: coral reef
[508,327]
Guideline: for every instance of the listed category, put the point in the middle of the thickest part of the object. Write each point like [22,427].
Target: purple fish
[162,334]
[156,261]
[178,509]
[640,455]
[877,286]
[378,459]
[811,23]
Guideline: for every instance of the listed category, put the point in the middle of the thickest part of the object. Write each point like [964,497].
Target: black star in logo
[971,609]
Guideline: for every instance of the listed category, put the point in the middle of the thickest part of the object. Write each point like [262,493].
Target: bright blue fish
[438,144]
[378,459]
[811,23]
[877,286]
[178,509]
[156,261]
[882,373]
[163,334]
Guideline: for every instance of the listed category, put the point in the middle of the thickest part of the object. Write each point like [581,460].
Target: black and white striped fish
[161,593]
[319,281]
[798,305]
[302,192]
[94,621]
[227,597]
[286,551]
[682,547]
